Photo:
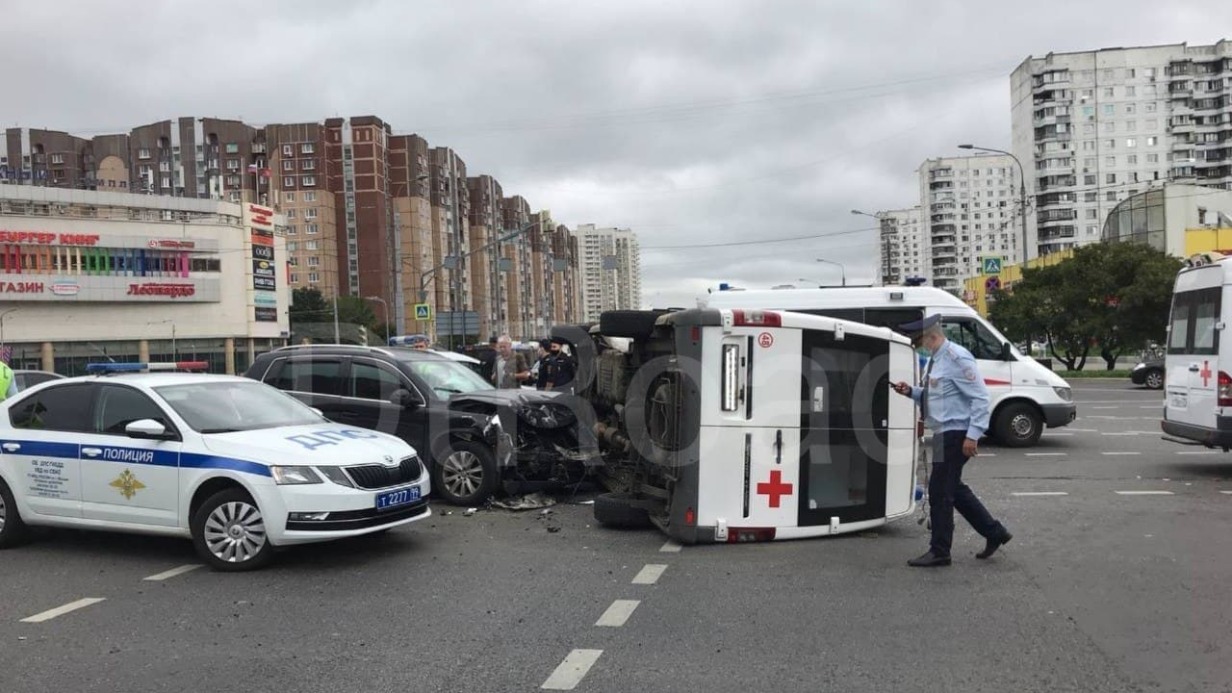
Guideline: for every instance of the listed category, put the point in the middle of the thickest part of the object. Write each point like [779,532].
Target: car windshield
[449,377]
[225,407]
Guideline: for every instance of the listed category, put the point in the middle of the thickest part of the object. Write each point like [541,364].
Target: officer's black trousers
[947,492]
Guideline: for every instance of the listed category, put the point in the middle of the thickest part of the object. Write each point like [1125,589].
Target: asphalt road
[1115,581]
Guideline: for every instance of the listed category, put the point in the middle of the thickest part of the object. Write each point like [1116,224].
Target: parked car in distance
[1149,372]
[28,379]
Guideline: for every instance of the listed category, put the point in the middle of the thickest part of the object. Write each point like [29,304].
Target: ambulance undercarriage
[743,425]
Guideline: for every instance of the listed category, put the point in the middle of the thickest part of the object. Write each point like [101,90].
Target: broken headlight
[544,415]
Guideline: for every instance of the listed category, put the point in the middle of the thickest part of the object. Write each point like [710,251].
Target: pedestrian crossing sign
[992,265]
[423,311]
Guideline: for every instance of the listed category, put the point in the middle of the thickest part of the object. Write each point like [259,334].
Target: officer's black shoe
[993,544]
[929,560]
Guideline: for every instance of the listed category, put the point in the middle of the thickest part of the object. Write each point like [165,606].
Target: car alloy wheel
[4,512]
[235,532]
[462,473]
[1155,380]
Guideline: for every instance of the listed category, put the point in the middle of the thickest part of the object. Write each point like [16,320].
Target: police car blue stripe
[197,461]
[39,448]
[142,456]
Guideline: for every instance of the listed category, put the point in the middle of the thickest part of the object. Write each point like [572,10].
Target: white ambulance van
[1025,395]
[1197,384]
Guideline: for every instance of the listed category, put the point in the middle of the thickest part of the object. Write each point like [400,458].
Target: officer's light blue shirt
[957,396]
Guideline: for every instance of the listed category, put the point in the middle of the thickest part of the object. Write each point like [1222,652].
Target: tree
[1108,296]
[312,316]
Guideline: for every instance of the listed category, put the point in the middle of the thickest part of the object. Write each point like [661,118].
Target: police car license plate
[393,499]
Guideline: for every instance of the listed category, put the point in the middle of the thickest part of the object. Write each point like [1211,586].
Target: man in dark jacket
[561,368]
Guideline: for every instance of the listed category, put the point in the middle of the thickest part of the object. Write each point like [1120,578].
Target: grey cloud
[692,122]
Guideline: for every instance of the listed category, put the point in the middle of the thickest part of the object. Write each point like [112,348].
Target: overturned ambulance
[728,425]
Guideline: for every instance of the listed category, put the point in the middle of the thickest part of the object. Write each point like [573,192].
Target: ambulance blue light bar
[147,367]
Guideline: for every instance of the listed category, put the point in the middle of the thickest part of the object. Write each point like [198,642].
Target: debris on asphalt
[545,511]
[469,512]
[531,501]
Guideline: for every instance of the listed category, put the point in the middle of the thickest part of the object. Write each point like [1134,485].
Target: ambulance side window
[973,336]
[64,408]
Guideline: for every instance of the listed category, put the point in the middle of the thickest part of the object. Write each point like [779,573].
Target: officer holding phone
[954,404]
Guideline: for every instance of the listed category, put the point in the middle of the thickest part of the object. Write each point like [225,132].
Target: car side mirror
[406,399]
[1006,352]
[148,429]
[318,412]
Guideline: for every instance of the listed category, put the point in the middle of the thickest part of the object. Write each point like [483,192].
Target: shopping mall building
[97,276]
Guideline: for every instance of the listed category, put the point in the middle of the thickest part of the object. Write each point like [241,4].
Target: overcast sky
[694,123]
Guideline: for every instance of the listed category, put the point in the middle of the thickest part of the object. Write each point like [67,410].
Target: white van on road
[1197,387]
[1025,396]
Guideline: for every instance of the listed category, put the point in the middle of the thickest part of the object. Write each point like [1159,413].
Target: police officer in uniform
[541,369]
[954,404]
[8,381]
[560,368]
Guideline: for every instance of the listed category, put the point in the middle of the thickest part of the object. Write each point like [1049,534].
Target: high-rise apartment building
[904,249]
[968,205]
[610,264]
[1094,127]
[384,217]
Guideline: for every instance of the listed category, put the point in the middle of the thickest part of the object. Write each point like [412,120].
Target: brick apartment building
[369,213]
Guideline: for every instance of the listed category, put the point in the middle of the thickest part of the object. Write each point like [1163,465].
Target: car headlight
[286,476]
[1140,366]
[1064,393]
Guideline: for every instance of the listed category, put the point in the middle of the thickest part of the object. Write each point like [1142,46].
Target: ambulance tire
[629,324]
[622,511]
[226,508]
[13,530]
[1018,425]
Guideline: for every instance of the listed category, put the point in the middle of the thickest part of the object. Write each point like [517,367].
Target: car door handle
[11,447]
[778,447]
[1194,368]
[91,452]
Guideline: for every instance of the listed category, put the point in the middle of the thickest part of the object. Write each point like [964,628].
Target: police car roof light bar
[147,367]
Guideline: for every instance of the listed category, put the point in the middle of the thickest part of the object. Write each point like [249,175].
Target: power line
[759,241]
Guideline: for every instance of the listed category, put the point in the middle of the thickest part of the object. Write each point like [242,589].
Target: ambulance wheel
[622,511]
[466,474]
[229,532]
[12,530]
[1018,425]
[629,324]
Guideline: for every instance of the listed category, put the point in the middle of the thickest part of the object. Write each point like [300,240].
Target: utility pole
[337,336]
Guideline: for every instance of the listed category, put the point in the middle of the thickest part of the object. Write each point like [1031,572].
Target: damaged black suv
[476,440]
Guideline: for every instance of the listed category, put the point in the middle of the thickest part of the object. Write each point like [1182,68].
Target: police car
[236,465]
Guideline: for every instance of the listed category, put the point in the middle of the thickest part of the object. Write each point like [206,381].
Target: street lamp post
[1022,192]
[840,266]
[174,351]
[384,309]
[4,315]
[885,243]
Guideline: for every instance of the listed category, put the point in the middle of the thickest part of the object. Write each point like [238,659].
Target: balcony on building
[1054,200]
[1052,182]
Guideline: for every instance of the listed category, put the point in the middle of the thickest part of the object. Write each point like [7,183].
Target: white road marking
[650,574]
[1046,454]
[1039,493]
[1226,493]
[1199,452]
[1060,435]
[174,572]
[61,610]
[617,613]
[670,547]
[1080,430]
[1120,433]
[1121,452]
[1112,407]
[1145,493]
[571,671]
[1153,406]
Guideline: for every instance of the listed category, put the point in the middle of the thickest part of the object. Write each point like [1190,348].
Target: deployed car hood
[323,443]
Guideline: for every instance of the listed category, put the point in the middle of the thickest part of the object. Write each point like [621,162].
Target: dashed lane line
[1200,452]
[1039,493]
[1145,493]
[572,670]
[174,572]
[1226,493]
[1079,430]
[650,574]
[670,547]
[1047,454]
[1120,453]
[61,610]
[617,613]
